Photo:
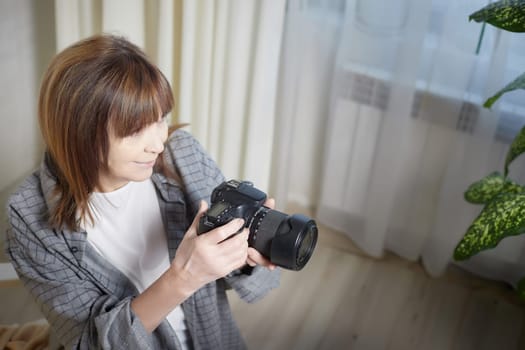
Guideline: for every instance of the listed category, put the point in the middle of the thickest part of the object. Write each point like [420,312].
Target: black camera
[287,241]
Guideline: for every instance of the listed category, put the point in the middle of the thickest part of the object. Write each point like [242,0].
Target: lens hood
[287,248]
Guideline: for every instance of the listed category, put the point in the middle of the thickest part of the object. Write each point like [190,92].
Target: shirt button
[74,249]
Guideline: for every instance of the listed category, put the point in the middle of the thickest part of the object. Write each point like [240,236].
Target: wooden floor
[345,300]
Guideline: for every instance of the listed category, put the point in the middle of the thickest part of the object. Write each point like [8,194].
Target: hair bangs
[142,97]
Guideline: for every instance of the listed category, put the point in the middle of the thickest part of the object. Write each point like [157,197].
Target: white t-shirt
[128,231]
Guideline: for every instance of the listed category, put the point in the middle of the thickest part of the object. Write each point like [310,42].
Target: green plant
[503,214]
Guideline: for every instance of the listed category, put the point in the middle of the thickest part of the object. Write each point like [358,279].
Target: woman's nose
[155,141]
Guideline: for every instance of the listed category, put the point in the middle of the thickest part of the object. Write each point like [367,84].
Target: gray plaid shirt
[87,300]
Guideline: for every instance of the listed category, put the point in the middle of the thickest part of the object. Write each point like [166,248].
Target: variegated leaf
[505,14]
[516,148]
[518,83]
[504,216]
[484,190]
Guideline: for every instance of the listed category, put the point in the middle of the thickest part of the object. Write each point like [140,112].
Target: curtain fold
[310,42]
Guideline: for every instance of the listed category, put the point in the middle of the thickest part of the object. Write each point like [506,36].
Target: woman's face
[132,158]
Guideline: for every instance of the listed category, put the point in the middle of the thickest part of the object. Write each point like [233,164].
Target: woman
[103,235]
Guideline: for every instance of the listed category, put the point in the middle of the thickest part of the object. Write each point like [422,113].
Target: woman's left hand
[254,257]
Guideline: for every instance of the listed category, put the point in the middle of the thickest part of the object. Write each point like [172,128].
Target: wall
[26,46]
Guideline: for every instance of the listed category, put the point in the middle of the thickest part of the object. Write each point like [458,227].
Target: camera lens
[306,245]
[287,241]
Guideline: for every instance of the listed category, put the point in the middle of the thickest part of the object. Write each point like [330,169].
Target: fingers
[221,233]
[270,203]
[256,258]
[236,242]
[234,251]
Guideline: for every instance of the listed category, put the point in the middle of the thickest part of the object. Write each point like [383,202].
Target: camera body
[287,241]
[230,200]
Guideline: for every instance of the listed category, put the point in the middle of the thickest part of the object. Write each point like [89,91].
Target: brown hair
[100,82]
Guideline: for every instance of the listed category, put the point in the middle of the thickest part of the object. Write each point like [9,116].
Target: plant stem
[478,47]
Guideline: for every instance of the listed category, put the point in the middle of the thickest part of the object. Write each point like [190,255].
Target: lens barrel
[287,241]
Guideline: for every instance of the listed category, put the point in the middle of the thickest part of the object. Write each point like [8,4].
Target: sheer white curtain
[390,94]
[222,58]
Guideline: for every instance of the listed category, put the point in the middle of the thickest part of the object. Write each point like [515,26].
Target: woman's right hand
[201,259]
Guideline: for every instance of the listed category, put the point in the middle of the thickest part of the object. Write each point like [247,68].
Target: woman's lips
[146,164]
